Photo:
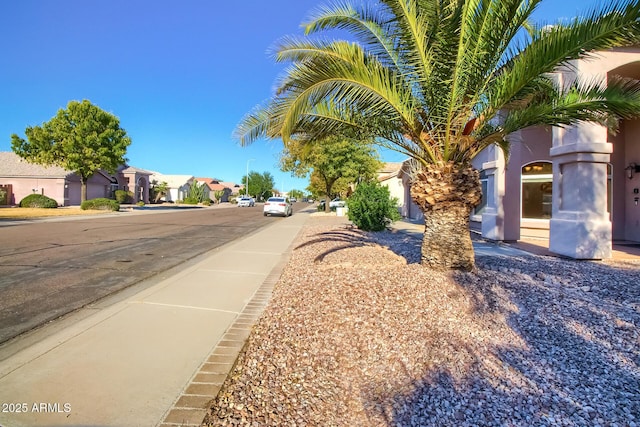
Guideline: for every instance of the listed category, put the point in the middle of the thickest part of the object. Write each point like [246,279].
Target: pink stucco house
[26,178]
[577,186]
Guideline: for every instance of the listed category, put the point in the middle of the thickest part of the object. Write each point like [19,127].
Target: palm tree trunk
[447,193]
[446,243]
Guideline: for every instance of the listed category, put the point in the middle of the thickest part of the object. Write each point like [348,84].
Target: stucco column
[493,214]
[580,226]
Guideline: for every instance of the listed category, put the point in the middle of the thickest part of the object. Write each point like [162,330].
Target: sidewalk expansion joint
[188,307]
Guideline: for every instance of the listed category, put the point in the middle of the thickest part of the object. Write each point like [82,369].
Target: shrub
[371,207]
[140,203]
[196,193]
[206,203]
[124,196]
[190,201]
[101,204]
[4,196]
[38,201]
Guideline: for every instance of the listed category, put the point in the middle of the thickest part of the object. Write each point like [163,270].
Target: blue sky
[179,75]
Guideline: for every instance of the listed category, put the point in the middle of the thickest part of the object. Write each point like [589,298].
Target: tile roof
[231,184]
[389,170]
[12,165]
[217,187]
[209,180]
[131,169]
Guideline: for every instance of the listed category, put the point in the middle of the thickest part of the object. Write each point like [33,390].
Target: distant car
[277,206]
[246,202]
[335,203]
[293,200]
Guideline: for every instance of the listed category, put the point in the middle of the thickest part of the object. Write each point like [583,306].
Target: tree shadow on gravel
[576,361]
[401,244]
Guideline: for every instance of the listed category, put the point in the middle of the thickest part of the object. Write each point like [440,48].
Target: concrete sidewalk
[154,357]
[481,248]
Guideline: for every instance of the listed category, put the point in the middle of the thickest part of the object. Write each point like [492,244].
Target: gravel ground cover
[357,333]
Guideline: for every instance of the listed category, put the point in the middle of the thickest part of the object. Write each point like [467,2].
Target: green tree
[159,189]
[260,185]
[318,188]
[331,159]
[441,80]
[81,138]
[218,195]
[298,194]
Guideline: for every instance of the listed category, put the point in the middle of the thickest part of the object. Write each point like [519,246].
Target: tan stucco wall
[396,189]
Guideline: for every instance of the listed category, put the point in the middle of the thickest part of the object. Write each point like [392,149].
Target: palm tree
[441,80]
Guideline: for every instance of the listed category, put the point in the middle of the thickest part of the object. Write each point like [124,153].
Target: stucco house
[214,185]
[579,186]
[24,178]
[390,176]
[179,185]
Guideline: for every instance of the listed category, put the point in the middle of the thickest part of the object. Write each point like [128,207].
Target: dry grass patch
[27,213]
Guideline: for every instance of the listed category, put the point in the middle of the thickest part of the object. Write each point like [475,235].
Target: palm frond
[365,22]
[594,101]
[615,24]
[430,78]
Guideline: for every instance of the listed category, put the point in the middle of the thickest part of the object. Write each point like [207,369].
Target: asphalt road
[49,268]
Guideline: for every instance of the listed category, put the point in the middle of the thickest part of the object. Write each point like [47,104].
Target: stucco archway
[142,190]
[625,211]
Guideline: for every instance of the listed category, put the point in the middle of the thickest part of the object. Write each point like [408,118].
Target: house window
[483,202]
[537,180]
[112,190]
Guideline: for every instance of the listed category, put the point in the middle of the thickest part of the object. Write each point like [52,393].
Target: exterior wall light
[631,169]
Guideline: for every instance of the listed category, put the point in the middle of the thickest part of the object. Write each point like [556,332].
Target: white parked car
[278,206]
[335,203]
[246,202]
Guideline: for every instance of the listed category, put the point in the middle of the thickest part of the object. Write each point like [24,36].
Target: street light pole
[246,190]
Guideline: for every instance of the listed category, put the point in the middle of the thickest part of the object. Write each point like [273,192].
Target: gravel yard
[357,333]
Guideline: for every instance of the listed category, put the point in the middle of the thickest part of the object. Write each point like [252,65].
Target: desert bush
[196,193]
[101,204]
[38,201]
[371,207]
[189,201]
[124,196]
[4,196]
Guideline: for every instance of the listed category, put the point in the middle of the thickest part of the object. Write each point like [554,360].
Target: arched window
[536,190]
